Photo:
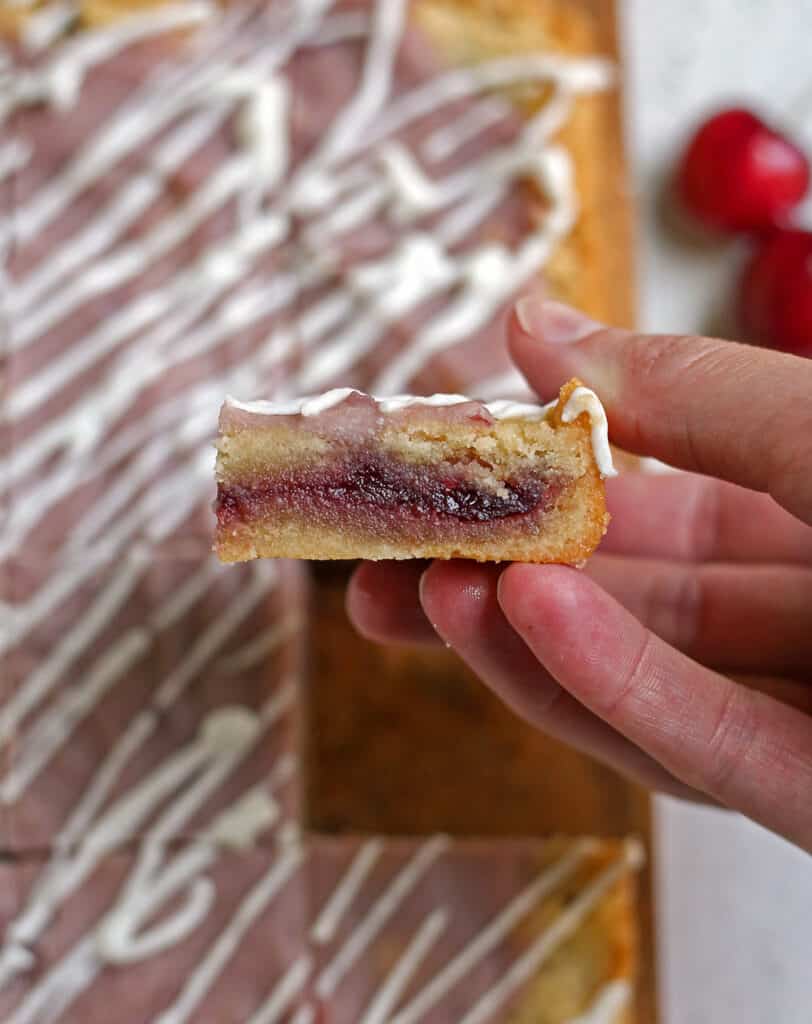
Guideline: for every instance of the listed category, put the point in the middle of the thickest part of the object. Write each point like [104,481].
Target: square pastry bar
[346,475]
[350,930]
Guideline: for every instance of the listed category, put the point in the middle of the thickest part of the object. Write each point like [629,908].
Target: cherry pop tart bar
[345,475]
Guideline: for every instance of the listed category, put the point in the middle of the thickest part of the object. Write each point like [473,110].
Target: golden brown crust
[89,13]
[601,953]
[591,268]
[103,12]
[362,772]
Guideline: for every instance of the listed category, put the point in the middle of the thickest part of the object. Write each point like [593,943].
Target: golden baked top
[81,14]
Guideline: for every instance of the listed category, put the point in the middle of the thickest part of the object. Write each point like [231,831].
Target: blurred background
[734,941]
[732,900]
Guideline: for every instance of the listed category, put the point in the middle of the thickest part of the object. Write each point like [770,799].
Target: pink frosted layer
[274,906]
[353,414]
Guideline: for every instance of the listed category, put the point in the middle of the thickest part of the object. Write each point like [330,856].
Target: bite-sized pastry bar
[346,475]
[324,930]
[189,212]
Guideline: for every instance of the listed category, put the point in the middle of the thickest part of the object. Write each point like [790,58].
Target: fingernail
[421,590]
[553,322]
[422,582]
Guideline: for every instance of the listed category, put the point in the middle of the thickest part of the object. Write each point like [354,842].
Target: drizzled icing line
[582,400]
[60,83]
[561,928]
[608,1005]
[313,406]
[68,441]
[391,996]
[243,308]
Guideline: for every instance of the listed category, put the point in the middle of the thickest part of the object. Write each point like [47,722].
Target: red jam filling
[369,485]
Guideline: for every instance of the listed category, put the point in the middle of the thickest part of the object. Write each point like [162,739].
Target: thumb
[715,407]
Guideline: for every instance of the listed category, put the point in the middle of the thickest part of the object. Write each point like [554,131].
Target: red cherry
[738,174]
[775,294]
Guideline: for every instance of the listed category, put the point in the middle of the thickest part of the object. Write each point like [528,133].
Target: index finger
[745,749]
[715,407]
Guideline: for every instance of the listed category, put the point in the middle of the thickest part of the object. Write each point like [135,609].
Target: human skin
[682,654]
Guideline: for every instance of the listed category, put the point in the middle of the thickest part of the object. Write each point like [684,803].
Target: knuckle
[790,481]
[675,603]
[659,359]
[703,526]
[730,742]
[634,682]
[663,365]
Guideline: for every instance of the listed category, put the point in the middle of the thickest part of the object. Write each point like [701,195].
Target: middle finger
[754,619]
[461,600]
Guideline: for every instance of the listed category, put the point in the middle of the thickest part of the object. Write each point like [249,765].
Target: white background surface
[735,904]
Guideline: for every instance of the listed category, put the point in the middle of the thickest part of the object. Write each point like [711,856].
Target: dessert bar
[321,931]
[345,475]
[269,198]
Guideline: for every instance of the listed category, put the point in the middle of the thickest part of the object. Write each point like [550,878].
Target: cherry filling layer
[372,490]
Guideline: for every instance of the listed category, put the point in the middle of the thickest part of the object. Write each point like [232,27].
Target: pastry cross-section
[345,475]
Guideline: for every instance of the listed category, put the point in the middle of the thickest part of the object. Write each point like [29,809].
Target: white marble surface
[734,901]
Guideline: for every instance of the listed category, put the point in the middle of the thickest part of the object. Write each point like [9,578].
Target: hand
[682,654]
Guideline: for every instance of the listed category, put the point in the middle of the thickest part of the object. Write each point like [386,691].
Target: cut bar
[330,930]
[345,475]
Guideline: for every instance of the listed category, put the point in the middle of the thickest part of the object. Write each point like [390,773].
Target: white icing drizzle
[117,936]
[55,727]
[284,992]
[224,947]
[493,933]
[328,921]
[199,768]
[386,29]
[226,739]
[387,996]
[582,400]
[45,25]
[263,122]
[82,964]
[46,1001]
[144,115]
[14,155]
[321,403]
[340,28]
[609,1003]
[562,927]
[255,652]
[35,748]
[48,672]
[387,904]
[442,144]
[153,470]
[60,82]
[415,193]
[304,1015]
